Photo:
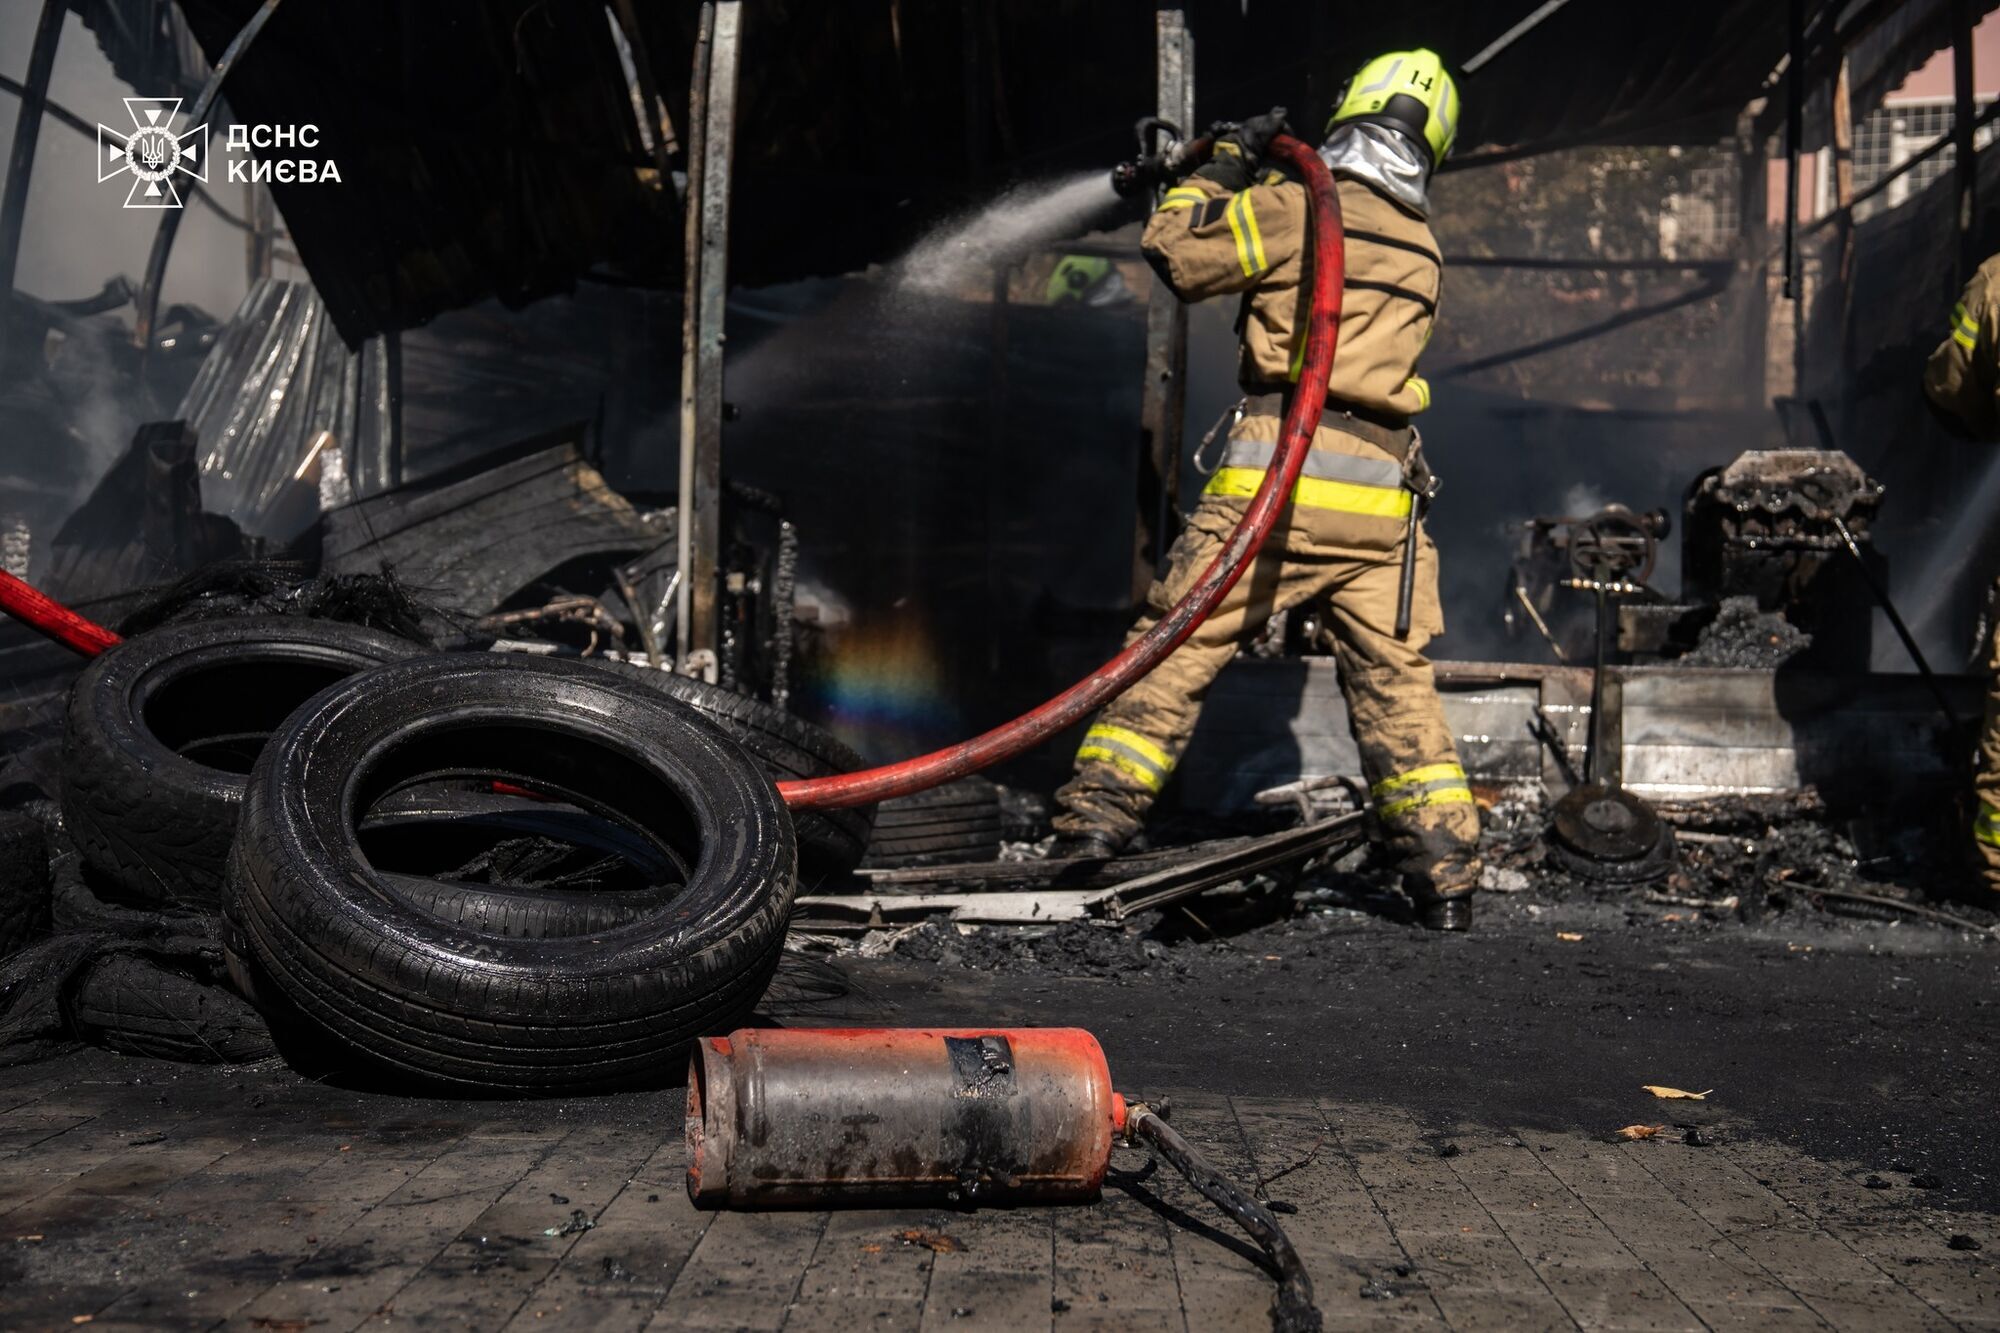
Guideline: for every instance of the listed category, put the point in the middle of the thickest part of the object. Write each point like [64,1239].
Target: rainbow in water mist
[882,689]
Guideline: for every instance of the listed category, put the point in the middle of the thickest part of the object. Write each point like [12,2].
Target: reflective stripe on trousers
[1347,483]
[1986,825]
[1433,784]
[1129,753]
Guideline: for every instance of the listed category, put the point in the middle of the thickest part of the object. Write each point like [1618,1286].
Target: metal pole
[649,89]
[1896,621]
[1163,405]
[261,237]
[21,161]
[711,138]
[1512,35]
[1753,204]
[1962,116]
[1795,133]
[1592,754]
[147,308]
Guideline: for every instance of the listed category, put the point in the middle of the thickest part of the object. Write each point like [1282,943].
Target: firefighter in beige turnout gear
[1962,381]
[1234,228]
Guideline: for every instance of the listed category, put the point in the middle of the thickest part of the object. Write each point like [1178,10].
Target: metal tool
[1423,488]
[1882,600]
[1599,830]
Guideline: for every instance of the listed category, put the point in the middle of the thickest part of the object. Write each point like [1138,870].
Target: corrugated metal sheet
[277,377]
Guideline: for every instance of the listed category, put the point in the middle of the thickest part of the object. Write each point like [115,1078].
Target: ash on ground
[1744,637]
[1743,863]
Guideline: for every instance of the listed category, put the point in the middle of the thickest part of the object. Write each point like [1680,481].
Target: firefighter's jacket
[1351,499]
[1204,241]
[1963,376]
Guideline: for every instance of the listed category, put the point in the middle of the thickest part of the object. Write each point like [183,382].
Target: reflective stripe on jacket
[1963,375]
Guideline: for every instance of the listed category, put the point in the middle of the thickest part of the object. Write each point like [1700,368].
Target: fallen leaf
[1641,1131]
[1675,1094]
[83,1319]
[1673,916]
[871,1248]
[34,1235]
[937,1242]
[1570,935]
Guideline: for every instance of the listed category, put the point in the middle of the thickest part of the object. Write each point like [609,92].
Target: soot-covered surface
[1845,1037]
[1435,1119]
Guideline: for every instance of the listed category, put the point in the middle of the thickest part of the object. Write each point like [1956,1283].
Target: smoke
[77,235]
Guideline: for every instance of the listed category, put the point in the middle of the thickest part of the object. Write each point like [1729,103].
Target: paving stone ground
[135,1197]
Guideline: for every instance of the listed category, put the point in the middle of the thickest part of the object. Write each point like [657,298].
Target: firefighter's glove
[1240,149]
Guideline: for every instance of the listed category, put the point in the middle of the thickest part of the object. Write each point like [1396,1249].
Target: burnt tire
[831,842]
[79,903]
[951,824]
[324,943]
[132,1004]
[161,731]
[24,882]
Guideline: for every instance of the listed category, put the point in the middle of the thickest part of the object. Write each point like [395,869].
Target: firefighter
[1239,228]
[1087,280]
[1962,381]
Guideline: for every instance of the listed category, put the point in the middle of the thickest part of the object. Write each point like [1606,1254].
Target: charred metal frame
[711,143]
[1163,405]
[148,308]
[21,160]
[1962,126]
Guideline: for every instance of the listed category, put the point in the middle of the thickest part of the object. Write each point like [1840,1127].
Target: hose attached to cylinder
[45,615]
[1148,651]
[1293,1311]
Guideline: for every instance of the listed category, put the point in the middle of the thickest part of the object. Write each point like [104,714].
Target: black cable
[1293,1311]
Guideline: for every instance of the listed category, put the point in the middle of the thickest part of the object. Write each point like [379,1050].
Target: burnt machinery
[1598,829]
[1774,525]
[1772,529]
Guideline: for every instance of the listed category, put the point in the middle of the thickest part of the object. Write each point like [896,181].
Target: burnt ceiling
[491,149]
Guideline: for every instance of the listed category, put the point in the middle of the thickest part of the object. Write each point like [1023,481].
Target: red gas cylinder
[782,1117]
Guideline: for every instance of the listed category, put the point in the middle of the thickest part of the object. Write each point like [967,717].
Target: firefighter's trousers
[1425,806]
[1986,815]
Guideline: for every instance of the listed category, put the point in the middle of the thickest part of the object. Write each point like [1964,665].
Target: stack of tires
[323,788]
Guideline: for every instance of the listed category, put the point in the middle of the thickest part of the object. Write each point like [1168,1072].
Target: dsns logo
[152,153]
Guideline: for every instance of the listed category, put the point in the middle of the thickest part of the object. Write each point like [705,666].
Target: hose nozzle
[1153,167]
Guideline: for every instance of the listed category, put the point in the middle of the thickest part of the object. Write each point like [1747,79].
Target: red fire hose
[1106,683]
[1123,671]
[47,616]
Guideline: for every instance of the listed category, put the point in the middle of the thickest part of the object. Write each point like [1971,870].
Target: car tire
[831,842]
[952,824]
[161,730]
[325,944]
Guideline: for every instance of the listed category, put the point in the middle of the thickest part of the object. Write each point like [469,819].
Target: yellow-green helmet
[1074,276]
[1410,90]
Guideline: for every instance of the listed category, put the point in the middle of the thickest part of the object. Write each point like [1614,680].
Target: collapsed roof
[495,150]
